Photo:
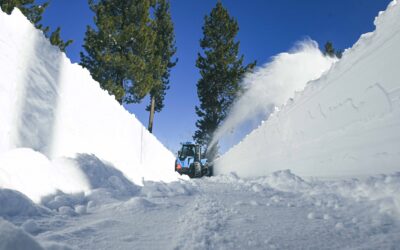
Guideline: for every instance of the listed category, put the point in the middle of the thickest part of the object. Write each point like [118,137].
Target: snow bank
[55,108]
[12,237]
[33,174]
[13,203]
[345,123]
[50,182]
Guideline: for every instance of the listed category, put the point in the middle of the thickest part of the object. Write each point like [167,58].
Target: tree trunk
[151,117]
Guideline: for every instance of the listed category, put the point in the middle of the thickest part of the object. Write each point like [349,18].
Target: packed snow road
[279,211]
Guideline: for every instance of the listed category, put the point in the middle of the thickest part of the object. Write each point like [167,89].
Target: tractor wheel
[210,171]
[191,173]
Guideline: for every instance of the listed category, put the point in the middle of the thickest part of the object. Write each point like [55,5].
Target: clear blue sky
[267,27]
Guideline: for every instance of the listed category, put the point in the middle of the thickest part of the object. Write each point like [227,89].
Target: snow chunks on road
[110,202]
[12,237]
[147,219]
[277,211]
[202,225]
[161,189]
[282,210]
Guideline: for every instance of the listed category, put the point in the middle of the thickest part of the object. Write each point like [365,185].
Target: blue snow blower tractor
[191,162]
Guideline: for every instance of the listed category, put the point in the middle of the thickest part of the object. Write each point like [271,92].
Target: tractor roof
[188,143]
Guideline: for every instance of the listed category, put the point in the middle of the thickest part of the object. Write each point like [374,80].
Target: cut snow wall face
[56,108]
[346,123]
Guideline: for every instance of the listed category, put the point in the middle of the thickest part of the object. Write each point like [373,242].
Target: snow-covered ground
[346,123]
[279,211]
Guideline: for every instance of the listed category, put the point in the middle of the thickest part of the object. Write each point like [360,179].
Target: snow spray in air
[272,84]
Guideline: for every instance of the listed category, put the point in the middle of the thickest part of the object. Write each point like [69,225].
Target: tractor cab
[189,150]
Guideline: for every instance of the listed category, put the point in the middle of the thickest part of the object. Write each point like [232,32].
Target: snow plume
[272,84]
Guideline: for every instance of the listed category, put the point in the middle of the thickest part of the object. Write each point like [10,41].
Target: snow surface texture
[345,123]
[12,237]
[55,108]
[278,211]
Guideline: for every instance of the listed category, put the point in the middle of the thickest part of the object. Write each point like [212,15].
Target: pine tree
[330,50]
[129,53]
[120,53]
[221,72]
[55,39]
[165,47]
[34,14]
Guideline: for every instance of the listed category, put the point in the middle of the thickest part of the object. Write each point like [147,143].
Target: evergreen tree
[165,47]
[34,14]
[55,39]
[221,72]
[120,52]
[330,50]
[129,53]
[339,53]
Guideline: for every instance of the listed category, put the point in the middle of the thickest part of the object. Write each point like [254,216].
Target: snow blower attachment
[190,161]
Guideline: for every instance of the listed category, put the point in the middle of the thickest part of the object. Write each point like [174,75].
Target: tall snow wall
[346,123]
[55,107]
